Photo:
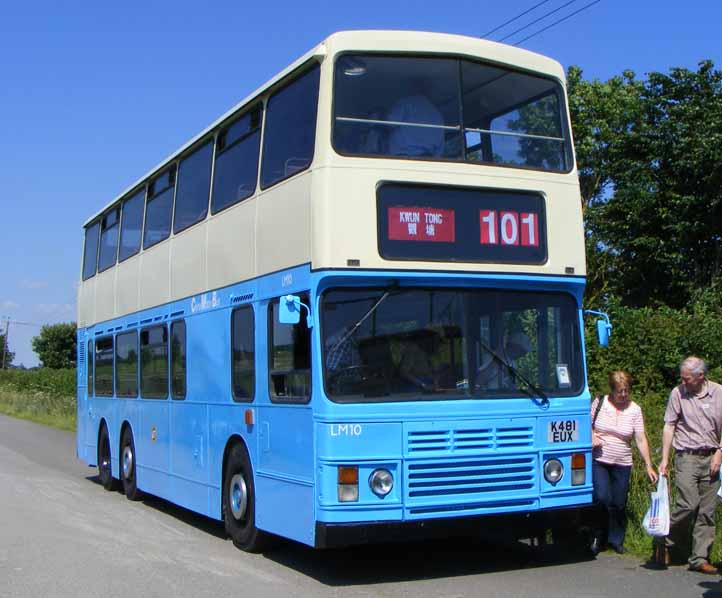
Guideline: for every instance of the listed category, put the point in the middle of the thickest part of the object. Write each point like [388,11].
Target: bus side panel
[284,472]
[152,447]
[189,455]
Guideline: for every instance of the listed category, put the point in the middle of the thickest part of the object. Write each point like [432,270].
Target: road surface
[62,535]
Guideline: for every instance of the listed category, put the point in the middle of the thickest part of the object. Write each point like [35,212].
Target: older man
[692,424]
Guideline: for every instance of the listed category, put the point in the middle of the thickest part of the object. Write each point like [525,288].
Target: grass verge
[40,407]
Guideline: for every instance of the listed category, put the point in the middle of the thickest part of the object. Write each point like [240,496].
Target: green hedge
[57,382]
[45,395]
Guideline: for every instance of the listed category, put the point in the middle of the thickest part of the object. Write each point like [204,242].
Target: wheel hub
[238,495]
[127,462]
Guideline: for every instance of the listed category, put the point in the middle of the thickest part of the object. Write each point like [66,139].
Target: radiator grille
[469,440]
[478,476]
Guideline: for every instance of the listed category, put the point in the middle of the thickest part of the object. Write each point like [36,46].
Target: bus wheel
[239,508]
[127,466]
[105,474]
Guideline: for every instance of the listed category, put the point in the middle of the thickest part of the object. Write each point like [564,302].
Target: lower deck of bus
[188,380]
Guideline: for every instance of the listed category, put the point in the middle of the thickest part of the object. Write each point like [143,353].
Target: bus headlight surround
[381,482]
[553,471]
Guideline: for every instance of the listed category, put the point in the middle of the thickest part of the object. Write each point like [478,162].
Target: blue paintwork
[295,449]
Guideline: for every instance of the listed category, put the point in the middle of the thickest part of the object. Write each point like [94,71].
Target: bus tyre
[105,474]
[127,466]
[239,502]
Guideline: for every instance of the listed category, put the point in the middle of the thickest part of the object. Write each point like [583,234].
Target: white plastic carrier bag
[656,519]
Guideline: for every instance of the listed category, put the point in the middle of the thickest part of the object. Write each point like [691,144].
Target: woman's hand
[652,474]
[596,441]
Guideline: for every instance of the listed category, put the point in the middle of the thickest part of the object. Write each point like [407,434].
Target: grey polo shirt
[698,418]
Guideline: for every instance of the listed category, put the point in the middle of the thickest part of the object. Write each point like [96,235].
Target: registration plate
[563,430]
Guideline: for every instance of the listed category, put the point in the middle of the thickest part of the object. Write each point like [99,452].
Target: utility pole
[5,340]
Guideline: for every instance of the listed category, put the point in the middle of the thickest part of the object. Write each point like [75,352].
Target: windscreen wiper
[352,330]
[535,393]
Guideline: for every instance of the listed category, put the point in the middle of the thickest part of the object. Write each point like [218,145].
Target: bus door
[284,474]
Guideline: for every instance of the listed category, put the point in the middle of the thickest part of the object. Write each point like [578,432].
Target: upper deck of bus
[332,213]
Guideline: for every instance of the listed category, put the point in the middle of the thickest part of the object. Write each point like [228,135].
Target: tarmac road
[62,535]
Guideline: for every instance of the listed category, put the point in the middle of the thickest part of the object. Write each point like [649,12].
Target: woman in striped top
[615,423]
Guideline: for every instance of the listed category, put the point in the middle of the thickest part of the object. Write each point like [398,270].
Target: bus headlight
[381,482]
[553,471]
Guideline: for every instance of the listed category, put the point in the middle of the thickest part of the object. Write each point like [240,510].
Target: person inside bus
[494,375]
[410,139]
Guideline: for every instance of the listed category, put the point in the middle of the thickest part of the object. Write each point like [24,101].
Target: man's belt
[703,452]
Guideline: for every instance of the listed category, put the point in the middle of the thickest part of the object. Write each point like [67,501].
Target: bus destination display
[440,224]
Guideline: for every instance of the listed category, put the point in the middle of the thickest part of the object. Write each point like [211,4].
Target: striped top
[616,428]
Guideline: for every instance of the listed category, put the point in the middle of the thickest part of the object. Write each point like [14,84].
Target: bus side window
[237,150]
[126,364]
[108,253]
[243,359]
[91,365]
[159,208]
[289,358]
[290,134]
[132,226]
[178,360]
[90,254]
[104,367]
[194,181]
[154,363]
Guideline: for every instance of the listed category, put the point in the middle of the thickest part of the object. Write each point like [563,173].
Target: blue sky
[92,95]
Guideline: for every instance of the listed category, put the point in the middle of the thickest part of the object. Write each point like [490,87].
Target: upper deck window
[90,254]
[159,208]
[290,133]
[132,226]
[194,181]
[109,239]
[236,170]
[448,109]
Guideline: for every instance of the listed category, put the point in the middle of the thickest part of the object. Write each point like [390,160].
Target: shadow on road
[393,562]
[200,522]
[431,559]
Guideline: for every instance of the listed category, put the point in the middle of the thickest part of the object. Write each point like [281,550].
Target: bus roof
[372,41]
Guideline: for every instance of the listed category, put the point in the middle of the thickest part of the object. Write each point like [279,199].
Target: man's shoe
[618,548]
[706,568]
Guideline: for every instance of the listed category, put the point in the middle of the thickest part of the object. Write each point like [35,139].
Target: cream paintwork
[327,214]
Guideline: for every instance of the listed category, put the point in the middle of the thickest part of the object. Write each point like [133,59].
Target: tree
[56,345]
[651,178]
[9,356]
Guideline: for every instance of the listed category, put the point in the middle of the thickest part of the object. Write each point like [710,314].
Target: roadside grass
[38,406]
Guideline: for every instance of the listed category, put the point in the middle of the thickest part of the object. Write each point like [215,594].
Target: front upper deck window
[448,109]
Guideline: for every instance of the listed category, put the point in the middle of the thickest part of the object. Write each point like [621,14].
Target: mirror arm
[309,320]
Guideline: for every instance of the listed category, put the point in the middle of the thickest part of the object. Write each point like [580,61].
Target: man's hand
[663,467]
[714,464]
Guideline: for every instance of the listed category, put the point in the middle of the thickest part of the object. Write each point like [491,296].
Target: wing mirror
[604,327]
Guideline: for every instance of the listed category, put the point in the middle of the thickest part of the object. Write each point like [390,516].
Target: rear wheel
[127,466]
[105,474]
[239,503]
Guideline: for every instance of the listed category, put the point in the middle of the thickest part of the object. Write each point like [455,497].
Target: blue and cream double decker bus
[351,308]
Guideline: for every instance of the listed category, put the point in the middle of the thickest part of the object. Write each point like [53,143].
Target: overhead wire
[569,16]
[519,16]
[541,18]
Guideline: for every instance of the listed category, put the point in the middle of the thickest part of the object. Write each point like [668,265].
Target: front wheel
[105,474]
[127,466]
[239,503]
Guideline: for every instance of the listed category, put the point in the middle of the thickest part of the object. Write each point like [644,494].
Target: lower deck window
[154,362]
[104,367]
[290,358]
